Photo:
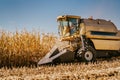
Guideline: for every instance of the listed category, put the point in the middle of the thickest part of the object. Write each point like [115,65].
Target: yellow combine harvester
[83,39]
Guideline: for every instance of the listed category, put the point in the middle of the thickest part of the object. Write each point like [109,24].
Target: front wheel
[88,55]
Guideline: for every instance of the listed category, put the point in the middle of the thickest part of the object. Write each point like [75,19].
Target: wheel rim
[88,55]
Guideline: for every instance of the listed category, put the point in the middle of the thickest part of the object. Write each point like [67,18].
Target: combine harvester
[83,39]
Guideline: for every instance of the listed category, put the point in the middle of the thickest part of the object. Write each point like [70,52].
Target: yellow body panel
[99,28]
[88,35]
[101,41]
[69,38]
[106,44]
[99,25]
[66,16]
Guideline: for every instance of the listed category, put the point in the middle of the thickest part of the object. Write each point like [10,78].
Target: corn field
[23,48]
[20,52]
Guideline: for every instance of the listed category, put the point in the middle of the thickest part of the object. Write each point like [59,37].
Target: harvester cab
[68,26]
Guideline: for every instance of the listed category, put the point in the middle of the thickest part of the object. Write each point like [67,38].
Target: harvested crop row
[103,70]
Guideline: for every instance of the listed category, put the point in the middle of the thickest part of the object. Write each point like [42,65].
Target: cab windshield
[67,28]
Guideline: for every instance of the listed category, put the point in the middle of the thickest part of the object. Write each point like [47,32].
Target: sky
[41,15]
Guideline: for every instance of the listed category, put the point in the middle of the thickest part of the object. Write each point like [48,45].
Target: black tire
[89,55]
